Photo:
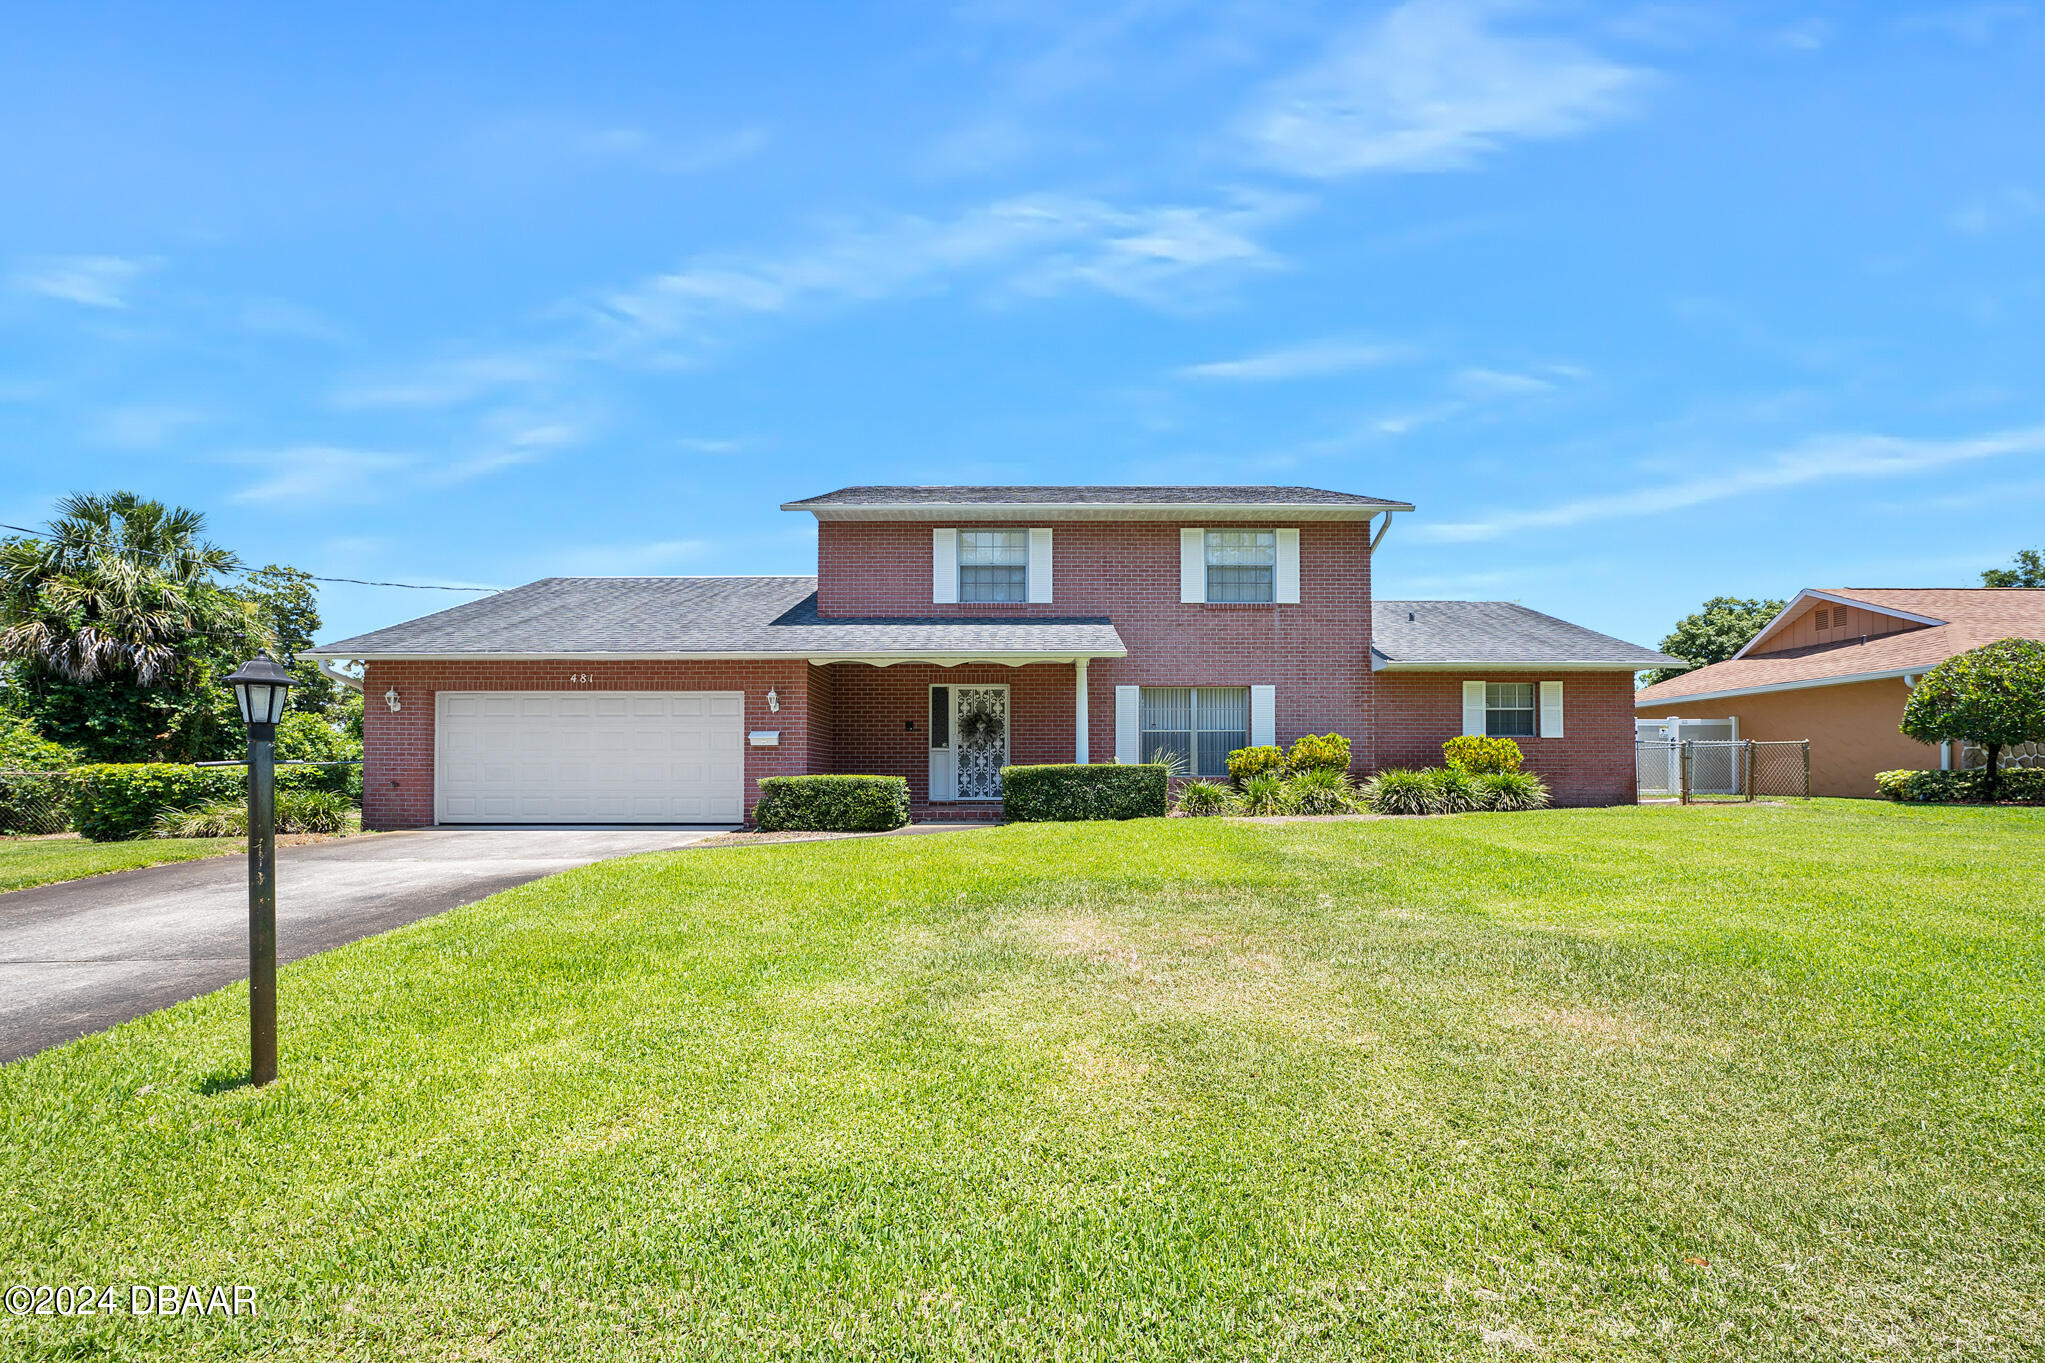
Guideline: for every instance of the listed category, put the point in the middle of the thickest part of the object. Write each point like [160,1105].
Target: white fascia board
[967,512]
[943,657]
[1892,674]
[1377,665]
[1813,594]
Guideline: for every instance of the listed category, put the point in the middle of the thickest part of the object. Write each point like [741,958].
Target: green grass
[1638,1083]
[43,861]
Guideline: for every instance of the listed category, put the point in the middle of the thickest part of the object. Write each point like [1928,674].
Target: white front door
[968,741]
[589,757]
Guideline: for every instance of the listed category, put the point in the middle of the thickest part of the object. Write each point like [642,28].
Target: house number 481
[579,678]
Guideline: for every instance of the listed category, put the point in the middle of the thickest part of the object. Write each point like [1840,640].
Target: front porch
[947,730]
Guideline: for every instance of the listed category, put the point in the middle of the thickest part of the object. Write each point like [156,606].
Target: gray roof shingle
[876,495]
[740,616]
[1495,634]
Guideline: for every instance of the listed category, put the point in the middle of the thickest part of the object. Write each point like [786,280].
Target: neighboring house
[950,631]
[1836,667]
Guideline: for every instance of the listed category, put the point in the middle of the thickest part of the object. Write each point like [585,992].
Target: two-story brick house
[950,631]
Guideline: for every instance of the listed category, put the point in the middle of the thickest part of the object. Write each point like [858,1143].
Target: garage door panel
[625,757]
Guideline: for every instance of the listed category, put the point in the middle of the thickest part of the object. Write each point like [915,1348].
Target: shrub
[1481,756]
[1456,791]
[1264,793]
[1065,792]
[1320,790]
[1401,791]
[1244,763]
[35,801]
[1508,791]
[832,804]
[303,737]
[298,811]
[22,748]
[1200,799]
[112,801]
[1318,752]
[2025,785]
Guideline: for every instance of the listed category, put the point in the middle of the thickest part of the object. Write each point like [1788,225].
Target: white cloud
[320,475]
[1433,86]
[89,281]
[1311,360]
[143,428]
[1994,212]
[1035,244]
[1484,384]
[449,383]
[1966,23]
[274,317]
[1825,459]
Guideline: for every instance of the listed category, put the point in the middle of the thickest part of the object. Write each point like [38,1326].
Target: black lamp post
[260,686]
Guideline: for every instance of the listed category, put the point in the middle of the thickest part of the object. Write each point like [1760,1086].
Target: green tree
[1993,695]
[117,629]
[288,604]
[1713,634]
[2028,571]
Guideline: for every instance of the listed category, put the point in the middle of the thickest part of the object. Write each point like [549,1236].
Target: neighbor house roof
[1440,635]
[1094,502]
[711,617]
[1959,618]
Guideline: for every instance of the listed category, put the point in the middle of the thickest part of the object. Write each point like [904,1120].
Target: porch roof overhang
[715,619]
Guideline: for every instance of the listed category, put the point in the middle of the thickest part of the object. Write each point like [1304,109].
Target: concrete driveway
[89,954]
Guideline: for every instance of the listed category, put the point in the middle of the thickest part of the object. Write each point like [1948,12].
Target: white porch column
[1079,722]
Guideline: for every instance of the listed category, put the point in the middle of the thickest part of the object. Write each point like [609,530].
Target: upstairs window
[994,565]
[1200,725]
[1509,709]
[1242,565]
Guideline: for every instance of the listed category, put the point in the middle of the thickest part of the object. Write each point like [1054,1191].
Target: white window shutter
[1128,722]
[1040,564]
[1551,709]
[1263,716]
[1192,565]
[944,566]
[1287,585]
[1473,708]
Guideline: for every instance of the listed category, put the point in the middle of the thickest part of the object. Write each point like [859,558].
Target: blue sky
[1638,303]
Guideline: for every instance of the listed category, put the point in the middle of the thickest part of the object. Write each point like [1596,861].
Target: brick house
[950,631]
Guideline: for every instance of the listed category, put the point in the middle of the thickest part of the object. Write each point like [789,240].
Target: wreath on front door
[979,726]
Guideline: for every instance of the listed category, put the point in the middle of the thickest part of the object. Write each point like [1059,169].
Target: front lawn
[1640,1083]
[43,861]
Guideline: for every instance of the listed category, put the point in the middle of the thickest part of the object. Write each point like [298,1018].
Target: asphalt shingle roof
[1972,616]
[1500,633]
[740,616]
[877,495]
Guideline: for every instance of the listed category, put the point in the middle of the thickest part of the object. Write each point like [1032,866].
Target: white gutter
[1523,665]
[1891,675]
[1117,511]
[942,658]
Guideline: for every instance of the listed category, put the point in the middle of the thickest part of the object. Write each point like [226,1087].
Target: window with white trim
[994,565]
[1200,725]
[1242,565]
[1509,709]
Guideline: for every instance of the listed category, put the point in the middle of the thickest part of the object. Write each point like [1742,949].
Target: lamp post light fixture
[260,686]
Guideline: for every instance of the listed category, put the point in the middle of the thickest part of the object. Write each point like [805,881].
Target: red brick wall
[1315,652]
[875,704]
[397,763]
[1591,765]
[822,718]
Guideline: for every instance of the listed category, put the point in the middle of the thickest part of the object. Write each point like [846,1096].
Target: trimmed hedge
[2014,785]
[1482,756]
[1060,792]
[115,801]
[832,804]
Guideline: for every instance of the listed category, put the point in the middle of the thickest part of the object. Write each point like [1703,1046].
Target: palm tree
[118,588]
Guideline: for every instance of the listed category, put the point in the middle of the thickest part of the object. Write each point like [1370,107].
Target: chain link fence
[34,802]
[1696,771]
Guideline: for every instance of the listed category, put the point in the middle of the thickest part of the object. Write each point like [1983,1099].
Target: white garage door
[590,757]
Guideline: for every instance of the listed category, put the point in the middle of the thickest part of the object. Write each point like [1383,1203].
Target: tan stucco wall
[1852,729]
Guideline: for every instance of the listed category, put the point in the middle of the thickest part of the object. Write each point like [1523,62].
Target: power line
[245,572]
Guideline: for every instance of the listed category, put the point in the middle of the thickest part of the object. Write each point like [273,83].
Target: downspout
[1379,538]
[332,673]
